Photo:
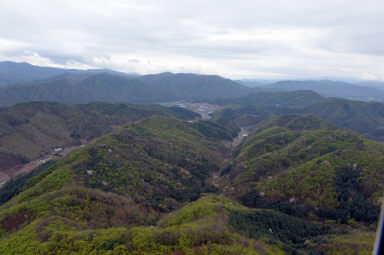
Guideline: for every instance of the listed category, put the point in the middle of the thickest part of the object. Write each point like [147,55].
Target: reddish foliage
[14,221]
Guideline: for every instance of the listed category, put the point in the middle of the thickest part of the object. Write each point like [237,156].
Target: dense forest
[296,185]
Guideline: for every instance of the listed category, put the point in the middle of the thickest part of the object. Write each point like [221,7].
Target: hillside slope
[137,191]
[366,118]
[30,130]
[297,99]
[302,164]
[185,86]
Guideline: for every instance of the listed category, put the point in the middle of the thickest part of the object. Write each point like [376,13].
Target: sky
[279,39]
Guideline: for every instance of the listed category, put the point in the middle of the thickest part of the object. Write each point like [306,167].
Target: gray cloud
[245,38]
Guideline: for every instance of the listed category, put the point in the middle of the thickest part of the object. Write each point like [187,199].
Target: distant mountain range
[329,88]
[12,72]
[366,118]
[73,86]
[106,87]
[23,82]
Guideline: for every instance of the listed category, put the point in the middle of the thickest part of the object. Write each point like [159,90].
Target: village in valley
[204,109]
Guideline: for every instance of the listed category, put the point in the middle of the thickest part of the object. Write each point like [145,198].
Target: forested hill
[189,86]
[366,118]
[30,130]
[299,98]
[300,164]
[307,187]
[75,89]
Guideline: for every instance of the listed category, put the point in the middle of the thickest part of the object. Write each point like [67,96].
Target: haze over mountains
[329,88]
[292,167]
[77,86]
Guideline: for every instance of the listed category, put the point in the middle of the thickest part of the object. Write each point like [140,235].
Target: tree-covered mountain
[329,88]
[30,130]
[366,118]
[300,164]
[186,86]
[72,89]
[165,86]
[297,99]
[269,173]
[85,88]
[307,187]
[12,72]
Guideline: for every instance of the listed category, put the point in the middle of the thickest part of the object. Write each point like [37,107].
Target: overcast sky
[275,39]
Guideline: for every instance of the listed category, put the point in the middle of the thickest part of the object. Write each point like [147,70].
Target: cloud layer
[263,39]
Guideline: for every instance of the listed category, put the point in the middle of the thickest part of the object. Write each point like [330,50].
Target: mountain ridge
[22,72]
[141,190]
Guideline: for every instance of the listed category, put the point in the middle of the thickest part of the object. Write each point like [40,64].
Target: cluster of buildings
[204,109]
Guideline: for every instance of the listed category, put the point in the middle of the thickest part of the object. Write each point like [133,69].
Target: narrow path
[7,174]
[215,176]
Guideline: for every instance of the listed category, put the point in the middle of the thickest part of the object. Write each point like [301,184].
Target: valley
[191,127]
[31,132]
[251,172]
[149,172]
[205,110]
[7,174]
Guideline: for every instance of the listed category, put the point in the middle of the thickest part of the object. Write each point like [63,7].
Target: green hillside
[30,130]
[199,228]
[159,162]
[366,118]
[305,166]
[143,188]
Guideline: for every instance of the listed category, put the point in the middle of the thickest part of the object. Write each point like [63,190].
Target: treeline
[292,231]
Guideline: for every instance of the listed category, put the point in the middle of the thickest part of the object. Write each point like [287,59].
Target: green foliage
[186,231]
[213,130]
[137,191]
[277,225]
[31,130]
[366,118]
[253,199]
[16,185]
[358,242]
[352,203]
[160,162]
[293,160]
